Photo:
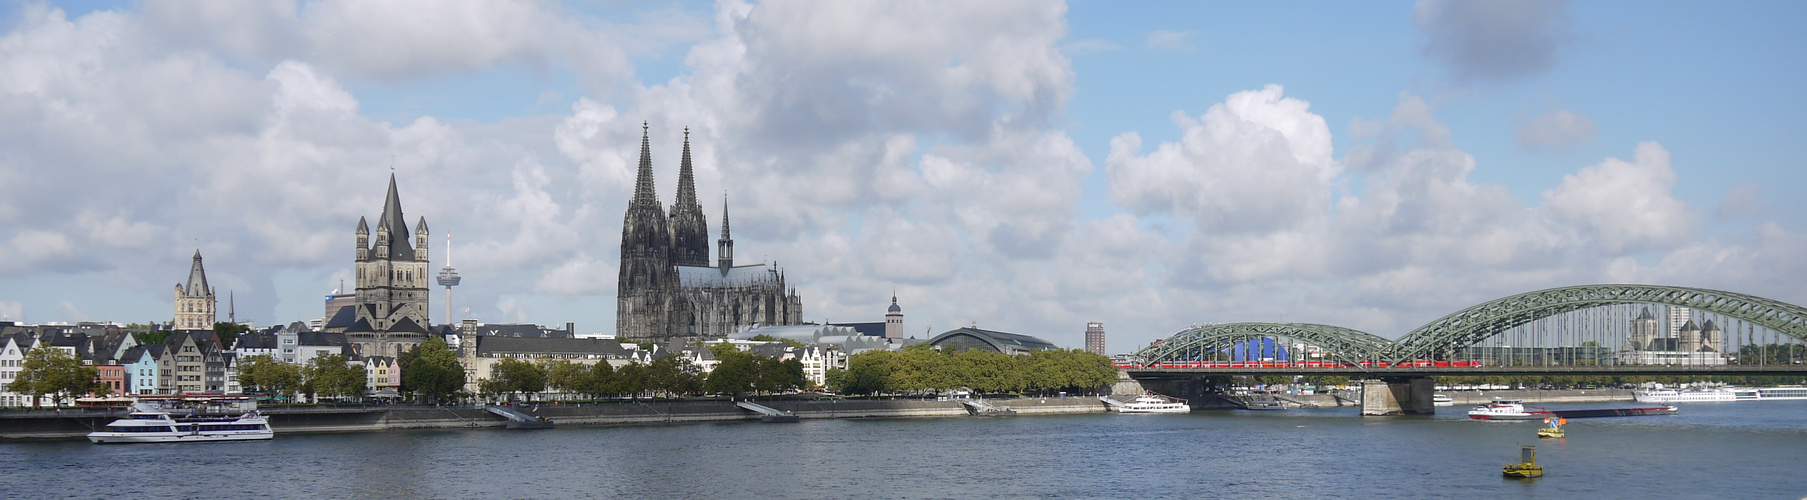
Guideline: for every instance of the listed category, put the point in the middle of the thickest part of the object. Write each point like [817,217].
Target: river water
[1734,450]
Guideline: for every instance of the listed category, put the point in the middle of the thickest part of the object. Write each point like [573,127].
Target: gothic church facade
[667,289]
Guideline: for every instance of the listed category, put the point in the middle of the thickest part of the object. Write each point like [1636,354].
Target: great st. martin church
[667,288]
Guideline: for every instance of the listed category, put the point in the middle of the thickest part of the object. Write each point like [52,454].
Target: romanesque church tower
[196,304]
[647,282]
[391,310]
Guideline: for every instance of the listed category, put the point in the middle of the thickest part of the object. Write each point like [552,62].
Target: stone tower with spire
[668,289]
[689,227]
[197,305]
[647,283]
[391,309]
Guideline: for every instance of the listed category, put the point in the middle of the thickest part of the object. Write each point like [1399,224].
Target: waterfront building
[196,303]
[382,376]
[13,347]
[185,368]
[142,369]
[1094,338]
[478,353]
[1686,343]
[894,321]
[667,289]
[960,339]
[390,315]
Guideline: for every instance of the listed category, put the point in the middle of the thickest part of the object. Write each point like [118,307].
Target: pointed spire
[725,236]
[197,278]
[363,227]
[643,182]
[399,247]
[686,176]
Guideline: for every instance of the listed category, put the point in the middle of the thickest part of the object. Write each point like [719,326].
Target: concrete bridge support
[1398,396]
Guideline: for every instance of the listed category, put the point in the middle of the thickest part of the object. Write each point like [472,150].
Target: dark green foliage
[331,376]
[48,370]
[919,369]
[432,371]
[512,375]
[229,332]
[674,375]
[264,374]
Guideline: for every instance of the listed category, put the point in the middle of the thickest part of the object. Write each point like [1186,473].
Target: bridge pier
[1398,396]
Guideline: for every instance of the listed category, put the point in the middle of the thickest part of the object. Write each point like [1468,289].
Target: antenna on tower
[448,277]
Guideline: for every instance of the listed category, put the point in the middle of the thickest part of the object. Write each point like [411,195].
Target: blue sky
[1025,166]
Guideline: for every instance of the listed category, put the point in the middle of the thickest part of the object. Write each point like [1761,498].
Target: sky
[1023,166]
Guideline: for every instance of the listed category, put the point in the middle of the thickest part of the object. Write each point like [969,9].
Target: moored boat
[1442,400]
[1691,396]
[145,425]
[1152,403]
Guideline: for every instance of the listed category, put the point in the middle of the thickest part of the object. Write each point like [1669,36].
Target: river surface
[1730,450]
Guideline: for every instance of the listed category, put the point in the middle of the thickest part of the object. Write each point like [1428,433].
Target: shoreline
[68,424]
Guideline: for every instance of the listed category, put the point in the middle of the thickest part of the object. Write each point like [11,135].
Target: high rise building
[197,305]
[1094,338]
[1678,317]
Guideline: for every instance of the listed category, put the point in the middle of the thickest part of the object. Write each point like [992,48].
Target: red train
[1300,364]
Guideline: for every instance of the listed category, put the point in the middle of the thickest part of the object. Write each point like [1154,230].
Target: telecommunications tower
[448,278]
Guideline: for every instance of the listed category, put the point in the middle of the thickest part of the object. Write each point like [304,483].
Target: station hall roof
[1008,343]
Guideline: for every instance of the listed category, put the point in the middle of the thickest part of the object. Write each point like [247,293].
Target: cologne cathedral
[667,289]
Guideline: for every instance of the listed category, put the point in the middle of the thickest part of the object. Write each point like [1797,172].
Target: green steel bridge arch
[1470,326]
[1197,342]
[1474,324]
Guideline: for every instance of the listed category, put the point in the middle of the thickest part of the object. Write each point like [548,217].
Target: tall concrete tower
[1094,338]
[448,278]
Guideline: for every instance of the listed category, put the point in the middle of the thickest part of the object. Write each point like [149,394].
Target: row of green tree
[737,373]
[919,369]
[327,375]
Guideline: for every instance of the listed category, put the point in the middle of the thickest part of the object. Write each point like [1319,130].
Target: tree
[331,375]
[630,380]
[834,379]
[49,370]
[673,374]
[263,373]
[229,332]
[601,379]
[512,375]
[567,376]
[433,371]
[869,372]
[735,373]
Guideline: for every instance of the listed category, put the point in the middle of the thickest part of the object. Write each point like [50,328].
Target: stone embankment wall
[70,424]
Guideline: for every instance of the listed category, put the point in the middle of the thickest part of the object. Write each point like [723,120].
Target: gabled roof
[495,346]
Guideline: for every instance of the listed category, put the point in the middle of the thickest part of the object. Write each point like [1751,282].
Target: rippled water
[1738,450]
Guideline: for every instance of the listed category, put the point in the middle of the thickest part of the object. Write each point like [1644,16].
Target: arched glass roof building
[973,338]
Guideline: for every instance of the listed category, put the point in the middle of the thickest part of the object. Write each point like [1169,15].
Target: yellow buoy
[1527,465]
[1554,430]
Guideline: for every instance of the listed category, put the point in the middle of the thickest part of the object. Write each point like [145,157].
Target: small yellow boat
[1554,430]
[1526,467]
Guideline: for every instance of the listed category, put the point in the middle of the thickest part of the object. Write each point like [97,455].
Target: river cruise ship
[148,425]
[1723,394]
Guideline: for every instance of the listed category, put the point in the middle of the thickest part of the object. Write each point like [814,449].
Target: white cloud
[1258,160]
[1169,40]
[1559,129]
[68,312]
[1620,206]
[1482,40]
[12,311]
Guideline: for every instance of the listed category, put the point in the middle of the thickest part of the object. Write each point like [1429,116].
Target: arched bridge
[1575,329]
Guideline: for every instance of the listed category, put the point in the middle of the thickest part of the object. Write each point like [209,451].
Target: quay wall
[74,423]
[1539,396]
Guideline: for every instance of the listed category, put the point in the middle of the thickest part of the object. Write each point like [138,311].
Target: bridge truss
[1473,326]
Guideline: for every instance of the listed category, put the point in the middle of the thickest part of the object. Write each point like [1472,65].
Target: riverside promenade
[72,423]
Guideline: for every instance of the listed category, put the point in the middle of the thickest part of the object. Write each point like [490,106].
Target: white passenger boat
[1721,394]
[1442,400]
[1150,403]
[146,425]
[1689,396]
